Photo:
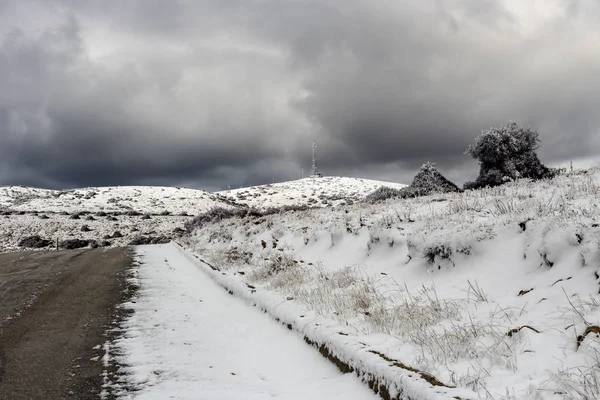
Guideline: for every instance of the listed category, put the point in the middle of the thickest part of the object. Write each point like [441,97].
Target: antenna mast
[315,171]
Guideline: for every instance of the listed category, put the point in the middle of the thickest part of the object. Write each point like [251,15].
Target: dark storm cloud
[66,121]
[231,92]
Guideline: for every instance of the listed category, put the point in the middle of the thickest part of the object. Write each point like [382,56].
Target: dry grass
[444,228]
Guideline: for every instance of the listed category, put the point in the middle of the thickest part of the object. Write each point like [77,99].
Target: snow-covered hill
[144,199]
[111,216]
[103,211]
[495,291]
[313,192]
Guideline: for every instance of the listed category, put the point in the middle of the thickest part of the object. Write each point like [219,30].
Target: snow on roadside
[442,283]
[363,356]
[188,339]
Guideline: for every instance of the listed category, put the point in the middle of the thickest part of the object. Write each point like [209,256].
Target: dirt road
[54,309]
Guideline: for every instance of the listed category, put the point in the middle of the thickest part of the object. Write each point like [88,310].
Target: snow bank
[185,338]
[386,376]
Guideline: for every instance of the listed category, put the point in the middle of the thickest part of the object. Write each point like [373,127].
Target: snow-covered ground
[28,211]
[144,199]
[129,211]
[15,227]
[495,291]
[313,192]
[189,339]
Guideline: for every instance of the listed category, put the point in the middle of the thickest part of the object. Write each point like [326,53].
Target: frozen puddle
[189,339]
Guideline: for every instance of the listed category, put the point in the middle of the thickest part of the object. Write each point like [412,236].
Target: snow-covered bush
[72,244]
[285,208]
[381,194]
[34,242]
[219,214]
[429,181]
[214,215]
[143,240]
[507,153]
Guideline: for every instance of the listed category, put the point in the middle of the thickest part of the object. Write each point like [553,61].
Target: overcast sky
[218,93]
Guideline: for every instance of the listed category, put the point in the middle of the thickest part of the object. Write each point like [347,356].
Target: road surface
[54,309]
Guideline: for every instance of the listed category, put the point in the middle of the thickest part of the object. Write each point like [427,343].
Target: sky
[213,94]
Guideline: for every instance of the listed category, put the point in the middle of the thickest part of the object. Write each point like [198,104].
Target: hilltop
[312,192]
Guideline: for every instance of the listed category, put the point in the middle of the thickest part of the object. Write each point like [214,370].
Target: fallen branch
[517,330]
[590,329]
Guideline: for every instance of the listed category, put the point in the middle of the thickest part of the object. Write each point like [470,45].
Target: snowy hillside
[314,192]
[493,291]
[144,199]
[94,214]
[105,216]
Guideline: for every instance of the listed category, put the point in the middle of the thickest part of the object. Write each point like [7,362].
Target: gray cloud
[228,93]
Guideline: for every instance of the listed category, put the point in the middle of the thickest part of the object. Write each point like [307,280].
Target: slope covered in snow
[104,216]
[144,199]
[312,192]
[106,210]
[495,291]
